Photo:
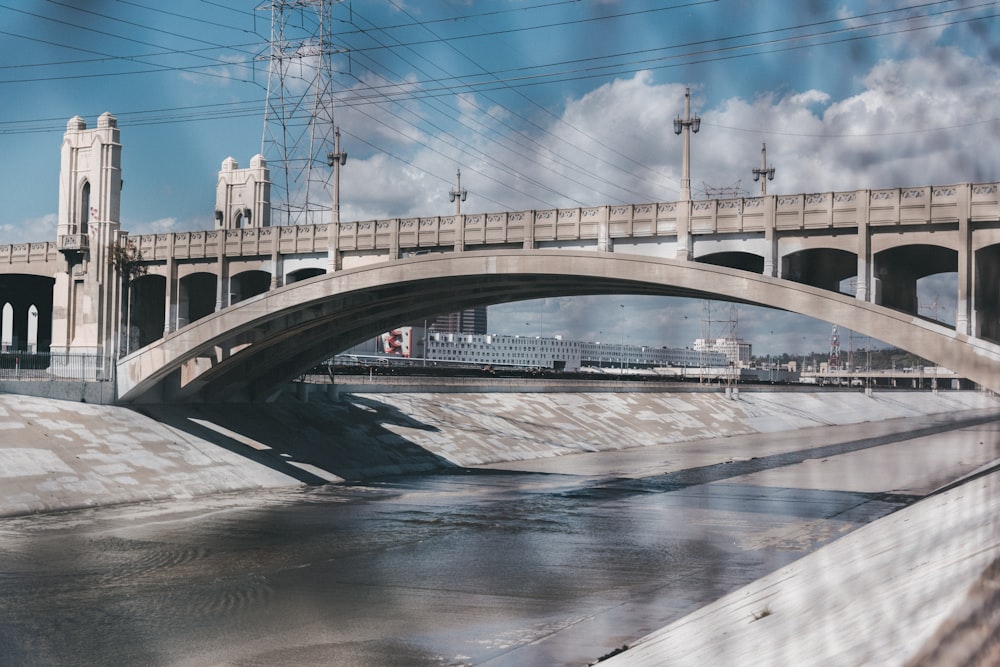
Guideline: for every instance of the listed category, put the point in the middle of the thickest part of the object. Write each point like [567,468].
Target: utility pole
[686,125]
[336,159]
[458,195]
[763,173]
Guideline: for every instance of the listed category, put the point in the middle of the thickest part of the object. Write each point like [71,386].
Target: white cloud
[30,230]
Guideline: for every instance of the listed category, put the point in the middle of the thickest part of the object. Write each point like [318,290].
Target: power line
[518,156]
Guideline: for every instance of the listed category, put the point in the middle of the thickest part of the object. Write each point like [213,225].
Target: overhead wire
[529,121]
[498,163]
[507,83]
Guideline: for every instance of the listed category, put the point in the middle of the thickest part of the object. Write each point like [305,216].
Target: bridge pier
[865,274]
[87,297]
[965,292]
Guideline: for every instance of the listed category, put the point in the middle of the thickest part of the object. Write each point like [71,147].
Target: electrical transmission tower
[834,361]
[298,114]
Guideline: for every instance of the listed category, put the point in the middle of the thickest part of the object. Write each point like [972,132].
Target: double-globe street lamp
[763,173]
[686,125]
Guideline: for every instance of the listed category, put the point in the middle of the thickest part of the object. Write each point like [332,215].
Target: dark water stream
[484,568]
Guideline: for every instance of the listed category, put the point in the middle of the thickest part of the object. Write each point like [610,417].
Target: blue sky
[540,103]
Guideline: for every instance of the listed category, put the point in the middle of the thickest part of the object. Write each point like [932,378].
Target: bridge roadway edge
[335,310]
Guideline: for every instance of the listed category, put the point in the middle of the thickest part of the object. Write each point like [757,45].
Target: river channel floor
[549,562]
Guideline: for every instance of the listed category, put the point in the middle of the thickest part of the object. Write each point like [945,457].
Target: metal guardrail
[55,366]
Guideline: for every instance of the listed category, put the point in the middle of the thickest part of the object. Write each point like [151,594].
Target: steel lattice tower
[834,362]
[298,114]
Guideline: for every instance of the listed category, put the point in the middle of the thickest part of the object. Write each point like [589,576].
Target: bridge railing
[831,210]
[54,366]
[28,253]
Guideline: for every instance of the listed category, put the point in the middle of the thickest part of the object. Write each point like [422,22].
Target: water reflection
[494,569]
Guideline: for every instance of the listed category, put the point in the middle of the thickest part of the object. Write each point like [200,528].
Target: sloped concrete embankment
[59,455]
[920,587]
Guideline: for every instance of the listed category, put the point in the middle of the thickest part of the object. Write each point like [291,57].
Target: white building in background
[558,354]
[736,351]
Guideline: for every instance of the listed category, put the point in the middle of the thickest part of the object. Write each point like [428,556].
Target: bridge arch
[825,268]
[247,284]
[986,298]
[197,297]
[249,351]
[25,329]
[745,261]
[303,274]
[898,269]
[146,309]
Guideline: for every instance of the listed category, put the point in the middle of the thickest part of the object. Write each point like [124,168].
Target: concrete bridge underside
[249,351]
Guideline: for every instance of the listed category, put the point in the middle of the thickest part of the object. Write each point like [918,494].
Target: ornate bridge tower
[243,196]
[87,292]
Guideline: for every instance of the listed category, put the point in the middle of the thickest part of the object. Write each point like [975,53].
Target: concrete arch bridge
[251,350]
[232,312]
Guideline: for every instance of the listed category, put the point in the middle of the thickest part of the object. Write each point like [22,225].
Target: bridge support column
[865,273]
[277,274]
[459,233]
[222,286]
[170,298]
[603,234]
[334,258]
[770,239]
[685,244]
[529,232]
[965,275]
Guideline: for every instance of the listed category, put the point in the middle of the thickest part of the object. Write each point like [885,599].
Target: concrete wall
[67,454]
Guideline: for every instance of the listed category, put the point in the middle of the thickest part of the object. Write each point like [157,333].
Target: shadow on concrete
[315,442]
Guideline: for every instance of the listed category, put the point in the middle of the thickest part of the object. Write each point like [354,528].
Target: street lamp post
[686,125]
[336,159]
[763,173]
[458,195]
